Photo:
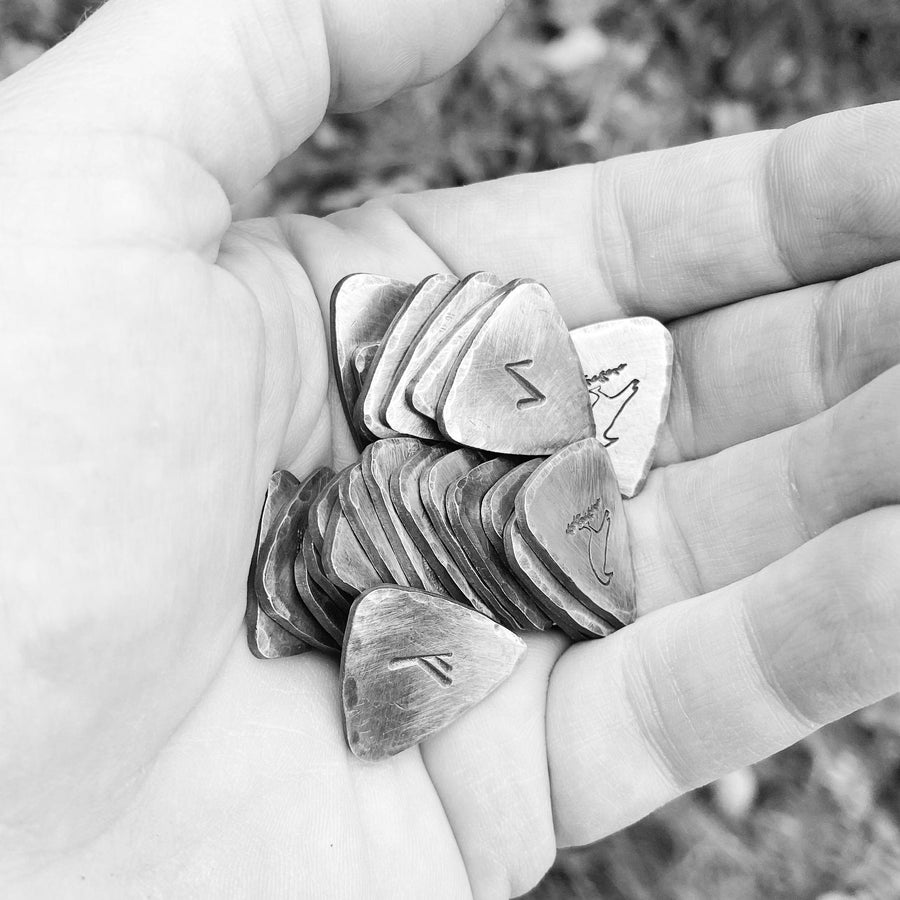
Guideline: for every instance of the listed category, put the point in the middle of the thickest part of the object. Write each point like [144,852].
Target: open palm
[158,362]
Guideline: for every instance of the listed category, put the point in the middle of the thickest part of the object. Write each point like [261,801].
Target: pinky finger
[707,685]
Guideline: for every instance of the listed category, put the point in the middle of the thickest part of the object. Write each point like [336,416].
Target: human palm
[158,362]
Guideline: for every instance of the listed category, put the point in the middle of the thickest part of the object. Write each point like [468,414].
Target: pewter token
[464,298]
[360,513]
[505,611]
[375,393]
[571,515]
[281,488]
[314,603]
[275,587]
[517,385]
[362,307]
[320,512]
[627,366]
[465,517]
[433,483]
[426,387]
[331,618]
[313,561]
[362,362]
[413,662]
[379,462]
[576,620]
[407,501]
[499,502]
[343,558]
[265,637]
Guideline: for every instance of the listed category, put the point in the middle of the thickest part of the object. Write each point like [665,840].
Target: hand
[158,362]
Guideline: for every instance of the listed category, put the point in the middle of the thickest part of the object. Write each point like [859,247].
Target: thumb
[236,84]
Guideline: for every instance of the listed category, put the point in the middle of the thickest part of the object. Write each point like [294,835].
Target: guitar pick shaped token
[375,393]
[627,367]
[471,292]
[362,308]
[413,662]
[518,385]
[276,589]
[571,514]
[265,637]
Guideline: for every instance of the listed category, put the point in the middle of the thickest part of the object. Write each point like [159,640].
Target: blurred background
[568,81]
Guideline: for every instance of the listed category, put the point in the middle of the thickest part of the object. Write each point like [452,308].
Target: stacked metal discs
[481,481]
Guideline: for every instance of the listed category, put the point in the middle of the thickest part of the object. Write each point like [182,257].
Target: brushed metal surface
[379,462]
[343,558]
[571,515]
[572,617]
[465,518]
[362,362]
[499,502]
[433,483]
[466,296]
[331,617]
[276,590]
[505,613]
[412,663]
[320,512]
[325,638]
[627,365]
[373,398]
[313,561]
[265,637]
[362,307]
[517,386]
[360,513]
[407,501]
[425,388]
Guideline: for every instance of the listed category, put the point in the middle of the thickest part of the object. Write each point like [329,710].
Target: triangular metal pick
[572,516]
[376,388]
[362,308]
[518,385]
[413,662]
[627,366]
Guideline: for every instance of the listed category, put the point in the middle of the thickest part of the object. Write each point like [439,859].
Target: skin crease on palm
[158,362]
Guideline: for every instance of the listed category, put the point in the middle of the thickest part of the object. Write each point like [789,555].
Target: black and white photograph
[449,450]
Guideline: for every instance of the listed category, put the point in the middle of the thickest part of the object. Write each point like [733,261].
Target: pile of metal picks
[496,449]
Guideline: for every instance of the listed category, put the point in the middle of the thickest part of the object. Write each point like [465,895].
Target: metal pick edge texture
[556,427]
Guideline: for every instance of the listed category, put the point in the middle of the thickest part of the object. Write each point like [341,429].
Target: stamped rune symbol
[599,535]
[608,407]
[535,397]
[434,664]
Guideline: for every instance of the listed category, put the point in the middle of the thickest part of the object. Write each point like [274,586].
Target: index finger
[673,232]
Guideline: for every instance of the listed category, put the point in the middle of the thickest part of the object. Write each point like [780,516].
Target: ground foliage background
[567,81]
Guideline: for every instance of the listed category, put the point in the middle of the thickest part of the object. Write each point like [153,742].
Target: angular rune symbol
[608,407]
[599,534]
[535,396]
[434,664]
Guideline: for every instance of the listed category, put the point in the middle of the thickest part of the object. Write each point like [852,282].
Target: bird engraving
[434,664]
[599,537]
[608,407]
[535,397]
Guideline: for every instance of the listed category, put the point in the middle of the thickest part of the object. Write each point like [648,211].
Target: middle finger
[700,525]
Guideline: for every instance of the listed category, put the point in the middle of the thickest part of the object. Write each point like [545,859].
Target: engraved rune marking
[535,397]
[599,534]
[608,407]
[434,664]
